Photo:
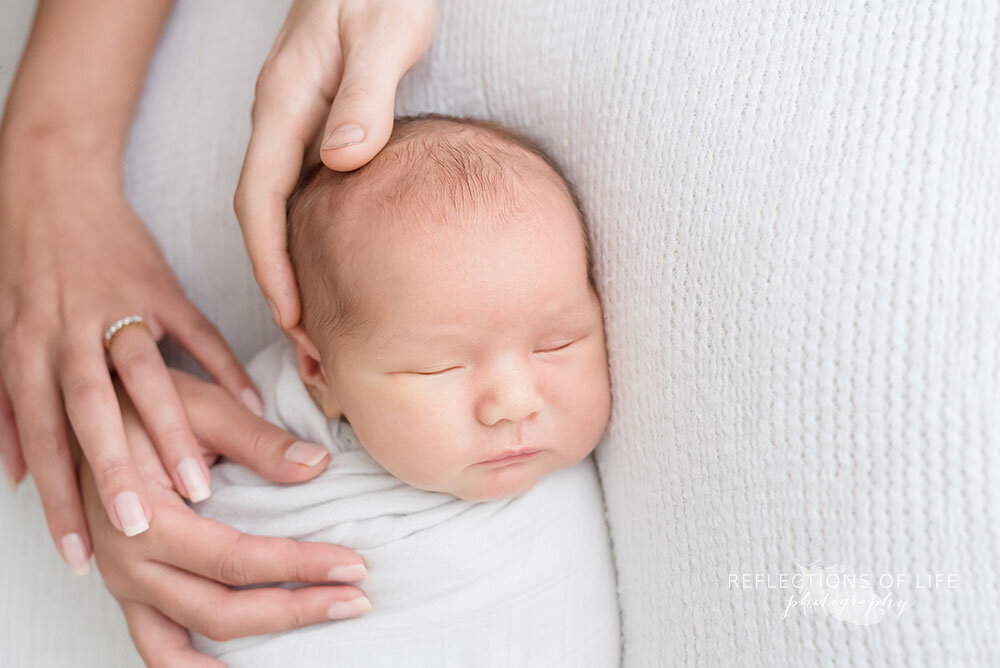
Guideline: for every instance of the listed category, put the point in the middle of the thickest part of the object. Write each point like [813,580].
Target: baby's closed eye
[555,347]
[558,347]
[432,373]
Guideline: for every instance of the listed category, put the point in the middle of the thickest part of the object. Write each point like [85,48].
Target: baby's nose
[512,397]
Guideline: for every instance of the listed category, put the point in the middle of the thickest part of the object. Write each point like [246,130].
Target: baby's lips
[305,453]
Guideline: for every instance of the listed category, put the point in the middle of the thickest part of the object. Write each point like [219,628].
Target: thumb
[361,117]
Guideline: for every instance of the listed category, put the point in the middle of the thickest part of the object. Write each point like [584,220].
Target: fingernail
[274,312]
[348,573]
[352,608]
[252,401]
[345,135]
[308,454]
[75,554]
[130,513]
[193,477]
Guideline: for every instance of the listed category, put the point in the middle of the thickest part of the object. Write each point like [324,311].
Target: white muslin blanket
[515,583]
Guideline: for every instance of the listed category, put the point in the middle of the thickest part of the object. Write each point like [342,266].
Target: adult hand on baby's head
[334,66]
[174,577]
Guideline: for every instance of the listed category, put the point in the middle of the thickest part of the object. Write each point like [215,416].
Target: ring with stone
[118,326]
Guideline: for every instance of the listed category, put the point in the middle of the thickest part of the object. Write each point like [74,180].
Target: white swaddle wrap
[520,582]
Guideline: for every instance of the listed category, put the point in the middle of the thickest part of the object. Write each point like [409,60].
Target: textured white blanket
[515,583]
[794,208]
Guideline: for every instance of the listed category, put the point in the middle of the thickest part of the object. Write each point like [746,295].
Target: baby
[451,356]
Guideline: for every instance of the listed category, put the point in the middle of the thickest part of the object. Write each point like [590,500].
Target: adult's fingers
[160,641]
[10,444]
[221,553]
[96,417]
[229,429]
[379,48]
[149,386]
[286,114]
[202,339]
[35,397]
[221,613]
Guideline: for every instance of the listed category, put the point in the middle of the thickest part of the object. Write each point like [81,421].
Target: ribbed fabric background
[796,218]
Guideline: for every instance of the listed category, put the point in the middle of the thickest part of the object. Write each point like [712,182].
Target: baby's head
[448,308]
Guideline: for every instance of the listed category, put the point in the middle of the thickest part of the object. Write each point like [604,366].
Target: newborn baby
[451,357]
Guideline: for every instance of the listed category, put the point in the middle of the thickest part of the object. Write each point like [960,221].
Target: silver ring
[119,326]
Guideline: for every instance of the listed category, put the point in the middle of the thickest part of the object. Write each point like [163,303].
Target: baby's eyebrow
[410,340]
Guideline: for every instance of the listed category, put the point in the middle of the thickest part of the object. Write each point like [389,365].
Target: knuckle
[232,567]
[297,616]
[291,553]
[238,199]
[84,391]
[354,94]
[109,473]
[44,445]
[172,433]
[260,443]
[136,361]
[286,552]
[269,71]
[213,625]
[273,73]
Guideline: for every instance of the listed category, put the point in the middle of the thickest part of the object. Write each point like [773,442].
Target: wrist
[52,149]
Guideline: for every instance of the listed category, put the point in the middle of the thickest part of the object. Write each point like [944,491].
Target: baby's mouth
[512,456]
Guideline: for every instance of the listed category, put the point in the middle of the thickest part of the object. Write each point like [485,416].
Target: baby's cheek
[414,435]
[583,401]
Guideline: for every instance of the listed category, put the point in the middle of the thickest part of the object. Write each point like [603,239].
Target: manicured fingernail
[252,401]
[193,477]
[348,573]
[75,554]
[130,513]
[345,135]
[308,454]
[274,312]
[352,608]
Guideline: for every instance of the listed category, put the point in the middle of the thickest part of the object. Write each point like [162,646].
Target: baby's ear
[308,358]
[311,372]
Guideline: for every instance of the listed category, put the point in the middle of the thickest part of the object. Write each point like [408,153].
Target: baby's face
[480,347]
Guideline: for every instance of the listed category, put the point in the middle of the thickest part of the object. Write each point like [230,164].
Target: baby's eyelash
[552,350]
[452,368]
[434,373]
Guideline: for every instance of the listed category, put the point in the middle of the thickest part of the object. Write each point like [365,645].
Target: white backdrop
[795,215]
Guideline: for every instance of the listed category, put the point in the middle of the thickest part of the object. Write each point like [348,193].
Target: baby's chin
[504,482]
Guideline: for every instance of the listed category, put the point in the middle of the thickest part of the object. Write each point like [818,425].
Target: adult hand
[74,258]
[174,576]
[335,66]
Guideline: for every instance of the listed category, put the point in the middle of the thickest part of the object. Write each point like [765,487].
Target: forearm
[80,76]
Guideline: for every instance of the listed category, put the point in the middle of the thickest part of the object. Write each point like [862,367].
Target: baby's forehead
[437,183]
[447,167]
[439,176]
